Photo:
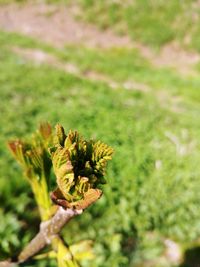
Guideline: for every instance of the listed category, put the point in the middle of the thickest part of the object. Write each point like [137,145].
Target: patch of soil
[39,57]
[55,25]
[172,56]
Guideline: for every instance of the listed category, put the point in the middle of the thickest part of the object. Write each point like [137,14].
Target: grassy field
[153,23]
[153,125]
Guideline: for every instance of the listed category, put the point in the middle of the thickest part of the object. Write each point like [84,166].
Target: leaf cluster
[79,165]
[33,154]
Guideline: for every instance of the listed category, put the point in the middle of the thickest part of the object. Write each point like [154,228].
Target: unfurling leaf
[60,135]
[45,130]
[17,148]
[33,154]
[79,166]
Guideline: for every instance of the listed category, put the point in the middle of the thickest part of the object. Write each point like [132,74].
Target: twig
[48,230]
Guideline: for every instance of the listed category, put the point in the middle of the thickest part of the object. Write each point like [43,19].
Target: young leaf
[79,166]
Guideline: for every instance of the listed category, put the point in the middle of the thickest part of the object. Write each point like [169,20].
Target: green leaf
[64,257]
[60,135]
[82,250]
[79,166]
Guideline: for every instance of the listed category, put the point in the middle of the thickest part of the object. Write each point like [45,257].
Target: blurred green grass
[153,180]
[153,23]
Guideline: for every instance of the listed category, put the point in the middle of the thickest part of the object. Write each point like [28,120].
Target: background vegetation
[154,23]
[154,178]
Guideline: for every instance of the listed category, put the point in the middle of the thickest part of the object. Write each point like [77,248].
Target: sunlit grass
[153,180]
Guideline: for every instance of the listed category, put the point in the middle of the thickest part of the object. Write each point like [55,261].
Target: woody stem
[48,230]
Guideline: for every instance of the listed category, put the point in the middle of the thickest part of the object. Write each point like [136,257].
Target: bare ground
[56,25]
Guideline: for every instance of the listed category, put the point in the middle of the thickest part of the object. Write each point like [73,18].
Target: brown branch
[7,264]
[47,231]
[51,228]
